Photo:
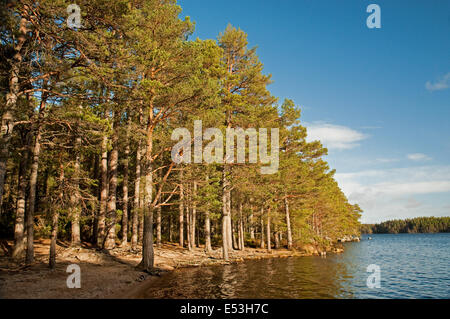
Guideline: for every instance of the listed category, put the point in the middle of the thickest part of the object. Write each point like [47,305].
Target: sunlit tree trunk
[252,226]
[262,244]
[288,223]
[188,224]
[181,210]
[101,232]
[241,229]
[208,247]
[277,239]
[75,198]
[55,218]
[269,244]
[33,184]
[147,263]
[170,228]
[7,120]
[110,241]
[125,184]
[19,226]
[158,226]
[194,214]
[137,191]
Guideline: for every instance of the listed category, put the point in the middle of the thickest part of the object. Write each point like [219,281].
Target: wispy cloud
[371,127]
[418,157]
[442,83]
[334,136]
[386,160]
[392,193]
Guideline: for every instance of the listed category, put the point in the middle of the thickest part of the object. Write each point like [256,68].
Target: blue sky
[379,99]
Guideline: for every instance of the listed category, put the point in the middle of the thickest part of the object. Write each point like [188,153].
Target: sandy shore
[109,274]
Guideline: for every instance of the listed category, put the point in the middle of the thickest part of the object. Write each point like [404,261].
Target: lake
[411,266]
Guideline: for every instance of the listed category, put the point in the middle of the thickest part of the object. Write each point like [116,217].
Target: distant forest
[415,225]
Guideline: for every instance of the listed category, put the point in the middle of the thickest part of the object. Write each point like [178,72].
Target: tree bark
[262,244]
[7,121]
[252,227]
[225,214]
[229,223]
[181,210]
[208,247]
[277,239]
[19,227]
[103,193]
[158,226]
[170,228]
[147,263]
[125,184]
[269,244]
[110,241]
[288,223]
[55,218]
[241,228]
[194,214]
[141,213]
[75,198]
[33,184]
[188,225]
[137,194]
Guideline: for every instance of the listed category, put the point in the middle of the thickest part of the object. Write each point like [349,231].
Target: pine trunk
[194,214]
[32,197]
[252,227]
[147,263]
[19,227]
[181,211]
[158,226]
[125,185]
[225,214]
[262,244]
[208,247]
[7,122]
[75,198]
[241,229]
[277,239]
[188,226]
[110,241]
[288,223]
[55,218]
[234,233]
[101,229]
[268,235]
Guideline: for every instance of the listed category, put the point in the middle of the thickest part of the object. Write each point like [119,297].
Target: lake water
[411,266]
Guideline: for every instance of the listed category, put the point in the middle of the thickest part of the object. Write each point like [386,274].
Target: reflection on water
[412,266]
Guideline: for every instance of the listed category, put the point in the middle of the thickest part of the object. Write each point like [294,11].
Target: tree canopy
[87,117]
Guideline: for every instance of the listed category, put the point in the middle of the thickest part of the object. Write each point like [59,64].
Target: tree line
[86,124]
[414,225]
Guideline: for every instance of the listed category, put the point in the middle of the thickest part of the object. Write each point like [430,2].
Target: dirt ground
[108,274]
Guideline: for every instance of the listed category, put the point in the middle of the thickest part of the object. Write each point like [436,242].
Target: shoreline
[112,274]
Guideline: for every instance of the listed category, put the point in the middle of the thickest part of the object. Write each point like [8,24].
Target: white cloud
[386,160]
[391,193]
[418,157]
[334,136]
[442,83]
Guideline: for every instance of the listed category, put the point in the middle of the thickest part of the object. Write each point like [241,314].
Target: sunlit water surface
[412,266]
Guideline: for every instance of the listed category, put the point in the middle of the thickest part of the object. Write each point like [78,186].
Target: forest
[87,116]
[413,226]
